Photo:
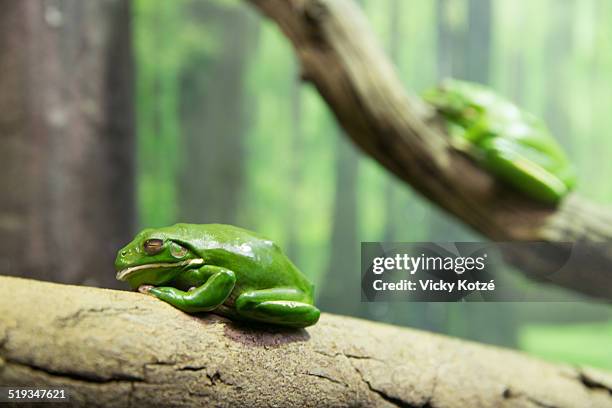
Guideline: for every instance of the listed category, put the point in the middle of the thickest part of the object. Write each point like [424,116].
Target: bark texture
[66,138]
[340,56]
[118,349]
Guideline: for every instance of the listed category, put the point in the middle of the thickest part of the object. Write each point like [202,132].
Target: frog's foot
[285,307]
[145,289]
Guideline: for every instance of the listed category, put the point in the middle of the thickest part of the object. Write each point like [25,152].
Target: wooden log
[119,349]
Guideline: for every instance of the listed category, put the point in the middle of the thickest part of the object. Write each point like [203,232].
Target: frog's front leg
[282,306]
[203,298]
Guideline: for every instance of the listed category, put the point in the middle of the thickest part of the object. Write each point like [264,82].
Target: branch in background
[117,349]
[340,56]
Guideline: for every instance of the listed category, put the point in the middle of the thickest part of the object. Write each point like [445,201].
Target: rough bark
[116,349]
[66,145]
[339,55]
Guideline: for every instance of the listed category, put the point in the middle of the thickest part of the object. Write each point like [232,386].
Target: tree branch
[112,348]
[339,55]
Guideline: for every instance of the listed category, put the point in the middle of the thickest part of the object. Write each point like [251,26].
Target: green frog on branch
[221,268]
[513,145]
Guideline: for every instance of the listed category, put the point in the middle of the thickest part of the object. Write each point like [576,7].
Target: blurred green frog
[513,145]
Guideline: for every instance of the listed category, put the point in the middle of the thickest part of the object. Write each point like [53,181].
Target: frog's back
[257,261]
[500,114]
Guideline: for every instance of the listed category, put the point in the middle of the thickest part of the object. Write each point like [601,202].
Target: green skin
[220,268]
[513,145]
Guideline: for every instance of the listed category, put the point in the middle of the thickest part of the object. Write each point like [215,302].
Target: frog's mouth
[126,273]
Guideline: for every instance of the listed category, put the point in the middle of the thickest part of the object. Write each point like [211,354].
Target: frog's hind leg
[285,307]
[517,166]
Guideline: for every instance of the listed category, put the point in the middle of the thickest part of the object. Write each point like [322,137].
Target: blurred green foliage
[585,343]
[550,56]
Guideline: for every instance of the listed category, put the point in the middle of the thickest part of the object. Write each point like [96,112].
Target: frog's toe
[145,289]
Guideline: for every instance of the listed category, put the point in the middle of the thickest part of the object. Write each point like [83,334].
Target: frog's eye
[177,251]
[153,246]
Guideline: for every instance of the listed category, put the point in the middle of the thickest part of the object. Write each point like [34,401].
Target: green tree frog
[221,268]
[512,144]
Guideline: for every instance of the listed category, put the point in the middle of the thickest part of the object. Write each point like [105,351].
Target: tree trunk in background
[391,187]
[452,59]
[292,248]
[213,159]
[340,291]
[559,45]
[478,44]
[463,52]
[517,88]
[451,38]
[67,138]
